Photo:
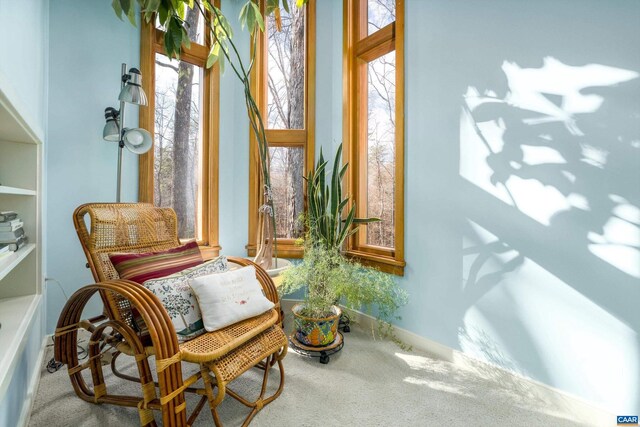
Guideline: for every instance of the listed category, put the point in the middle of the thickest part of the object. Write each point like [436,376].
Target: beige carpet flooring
[370,383]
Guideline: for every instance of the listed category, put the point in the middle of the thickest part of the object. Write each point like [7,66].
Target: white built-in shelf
[16,191]
[13,126]
[9,262]
[16,315]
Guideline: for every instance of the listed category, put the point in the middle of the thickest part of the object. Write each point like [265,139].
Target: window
[181,170]
[374,128]
[283,85]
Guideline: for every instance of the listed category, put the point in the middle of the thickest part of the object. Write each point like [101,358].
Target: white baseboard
[34,382]
[585,412]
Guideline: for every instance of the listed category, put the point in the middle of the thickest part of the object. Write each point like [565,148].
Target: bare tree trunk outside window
[295,160]
[286,110]
[183,166]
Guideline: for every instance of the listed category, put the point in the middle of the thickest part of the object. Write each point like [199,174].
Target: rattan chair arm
[149,307]
[161,333]
[83,234]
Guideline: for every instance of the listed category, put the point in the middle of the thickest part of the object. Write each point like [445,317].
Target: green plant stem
[254,115]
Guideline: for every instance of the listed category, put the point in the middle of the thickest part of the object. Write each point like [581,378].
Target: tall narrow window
[182,116]
[283,84]
[374,127]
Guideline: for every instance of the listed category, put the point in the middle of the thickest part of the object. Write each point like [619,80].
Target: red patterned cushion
[151,265]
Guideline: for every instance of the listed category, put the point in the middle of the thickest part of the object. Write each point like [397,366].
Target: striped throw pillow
[151,265]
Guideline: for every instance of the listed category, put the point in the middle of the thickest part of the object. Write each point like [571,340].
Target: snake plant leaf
[321,175]
[343,204]
[335,183]
[344,170]
[365,220]
[346,226]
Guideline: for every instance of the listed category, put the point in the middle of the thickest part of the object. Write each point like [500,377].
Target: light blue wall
[87,44]
[23,60]
[548,288]
[234,148]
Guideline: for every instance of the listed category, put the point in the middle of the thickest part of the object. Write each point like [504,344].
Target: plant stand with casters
[345,323]
[322,352]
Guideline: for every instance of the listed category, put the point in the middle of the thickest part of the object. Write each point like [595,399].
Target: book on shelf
[8,248]
[7,216]
[11,225]
[11,236]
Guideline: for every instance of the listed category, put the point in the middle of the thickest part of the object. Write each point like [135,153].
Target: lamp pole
[123,80]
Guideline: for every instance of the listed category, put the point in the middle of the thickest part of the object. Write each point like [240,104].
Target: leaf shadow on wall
[554,158]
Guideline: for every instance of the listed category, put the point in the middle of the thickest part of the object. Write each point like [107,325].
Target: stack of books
[12,235]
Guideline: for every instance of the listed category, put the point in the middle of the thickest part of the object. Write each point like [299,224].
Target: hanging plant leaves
[115,4]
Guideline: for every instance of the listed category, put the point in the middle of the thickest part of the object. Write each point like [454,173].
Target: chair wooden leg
[214,400]
[256,405]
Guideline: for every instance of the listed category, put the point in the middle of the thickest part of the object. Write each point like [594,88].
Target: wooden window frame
[287,248]
[359,49]
[151,42]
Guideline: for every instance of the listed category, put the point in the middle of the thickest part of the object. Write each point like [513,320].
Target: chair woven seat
[236,362]
[212,345]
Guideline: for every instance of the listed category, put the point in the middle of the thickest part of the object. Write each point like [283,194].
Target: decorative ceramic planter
[316,332]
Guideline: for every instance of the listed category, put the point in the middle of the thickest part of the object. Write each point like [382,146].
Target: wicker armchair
[222,356]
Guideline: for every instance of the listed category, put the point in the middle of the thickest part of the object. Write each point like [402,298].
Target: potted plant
[325,273]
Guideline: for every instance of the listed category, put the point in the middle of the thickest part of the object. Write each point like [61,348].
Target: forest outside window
[282,83]
[374,128]
[181,170]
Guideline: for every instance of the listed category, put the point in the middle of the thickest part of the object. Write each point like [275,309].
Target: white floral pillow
[178,298]
[229,297]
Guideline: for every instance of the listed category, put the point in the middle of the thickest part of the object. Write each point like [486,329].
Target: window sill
[383,263]
[285,250]
[209,252]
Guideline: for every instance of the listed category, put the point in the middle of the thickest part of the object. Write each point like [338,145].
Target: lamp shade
[132,91]
[111,131]
[137,140]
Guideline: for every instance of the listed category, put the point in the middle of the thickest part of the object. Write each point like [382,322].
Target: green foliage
[328,277]
[325,274]
[327,222]
[171,15]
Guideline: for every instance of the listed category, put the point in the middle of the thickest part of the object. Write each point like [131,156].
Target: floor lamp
[137,140]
